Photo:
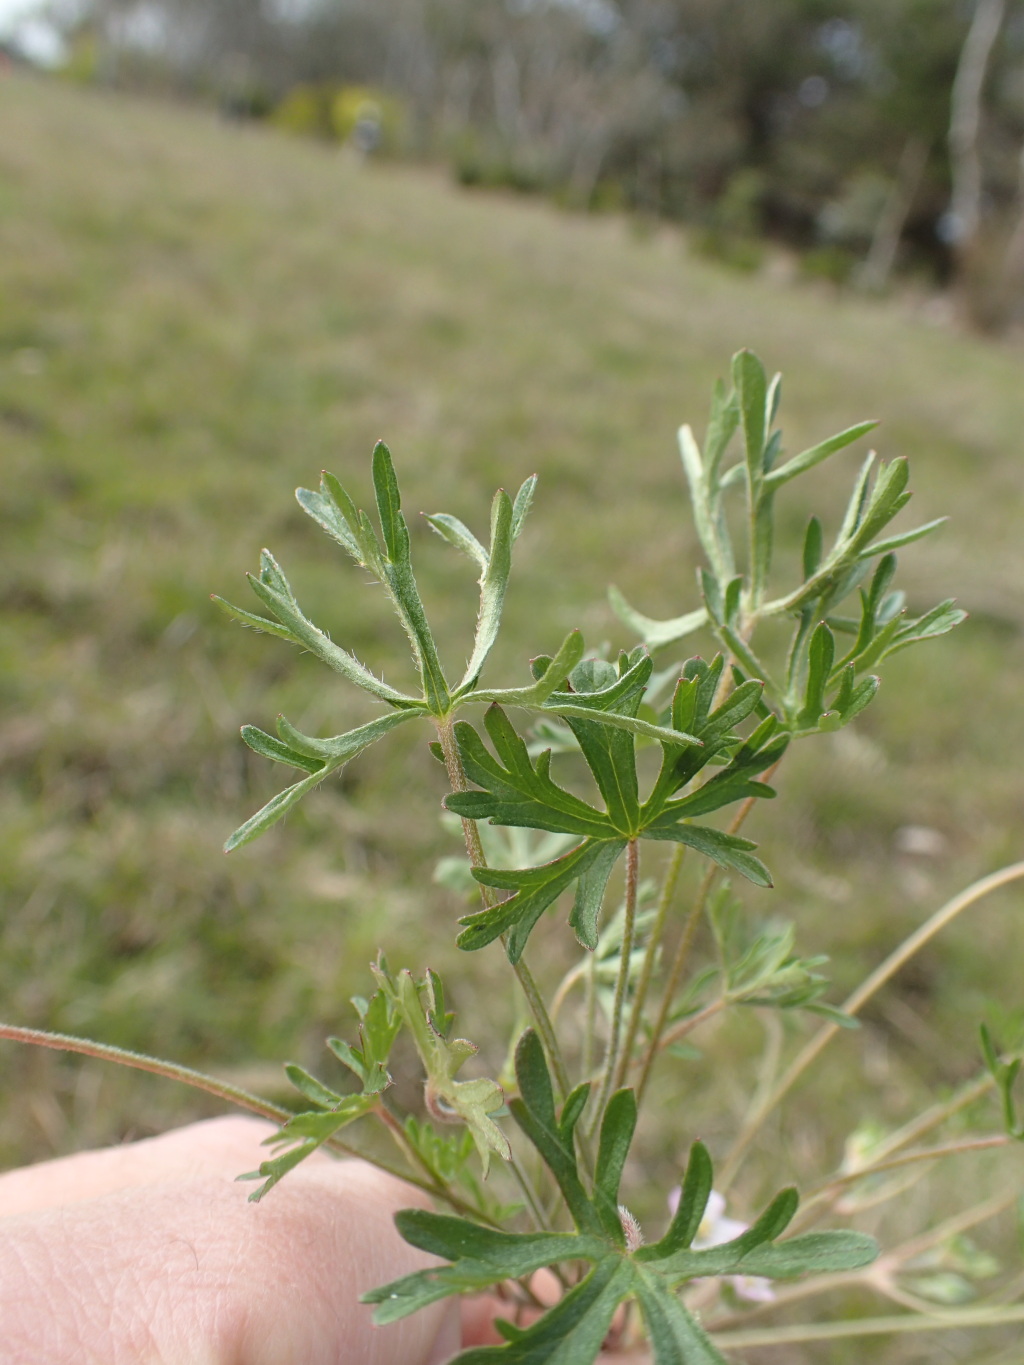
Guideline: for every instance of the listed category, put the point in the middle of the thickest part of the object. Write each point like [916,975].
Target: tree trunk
[1013,261]
[965,124]
[874,273]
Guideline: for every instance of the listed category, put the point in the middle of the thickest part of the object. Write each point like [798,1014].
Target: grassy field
[194,318]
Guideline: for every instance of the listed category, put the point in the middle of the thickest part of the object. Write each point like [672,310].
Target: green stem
[672,984]
[568,983]
[668,891]
[544,1025]
[934,1117]
[943,1321]
[529,1194]
[856,1002]
[224,1090]
[879,1276]
[477,858]
[689,930]
[64,1042]
[951,1227]
[433,1183]
[826,1193]
[622,981]
[673,1035]
[590,1023]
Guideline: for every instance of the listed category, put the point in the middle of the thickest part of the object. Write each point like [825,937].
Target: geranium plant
[581,788]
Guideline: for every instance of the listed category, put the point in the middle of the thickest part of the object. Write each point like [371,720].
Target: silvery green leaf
[345,747]
[305,633]
[722,424]
[456,533]
[249,618]
[938,621]
[744,655]
[710,524]
[751,384]
[307,1132]
[397,576]
[272,575]
[632,724]
[693,1201]
[276,807]
[819,670]
[268,747]
[522,504]
[493,583]
[905,538]
[763,542]
[310,1087]
[656,635]
[811,1253]
[811,557]
[807,459]
[858,499]
[556,670]
[325,510]
[850,704]
[616,1137]
[389,505]
[888,497]
[773,399]
[335,753]
[711,591]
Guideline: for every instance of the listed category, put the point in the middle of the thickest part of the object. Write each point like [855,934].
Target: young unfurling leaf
[448,1100]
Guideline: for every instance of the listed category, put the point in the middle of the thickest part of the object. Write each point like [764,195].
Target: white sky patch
[24,24]
[13,12]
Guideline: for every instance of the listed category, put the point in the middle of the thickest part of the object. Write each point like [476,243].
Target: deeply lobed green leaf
[574,1330]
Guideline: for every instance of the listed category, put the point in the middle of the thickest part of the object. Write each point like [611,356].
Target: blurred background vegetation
[869,137]
[198,314]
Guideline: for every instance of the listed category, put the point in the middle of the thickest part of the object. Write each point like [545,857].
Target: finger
[190,1272]
[224,1146]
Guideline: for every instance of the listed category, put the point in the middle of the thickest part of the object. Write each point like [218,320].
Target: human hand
[150,1254]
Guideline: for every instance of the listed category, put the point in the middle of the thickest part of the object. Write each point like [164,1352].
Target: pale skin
[150,1254]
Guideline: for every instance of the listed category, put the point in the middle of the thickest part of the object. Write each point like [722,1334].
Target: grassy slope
[193,319]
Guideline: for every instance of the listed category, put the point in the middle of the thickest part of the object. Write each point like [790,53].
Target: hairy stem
[950,1227]
[675,976]
[879,1276]
[530,1194]
[686,942]
[590,1021]
[431,1181]
[622,981]
[829,1192]
[680,1030]
[224,1090]
[935,1116]
[873,983]
[944,1321]
[668,891]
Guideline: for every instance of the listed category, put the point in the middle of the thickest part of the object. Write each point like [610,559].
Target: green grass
[194,318]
